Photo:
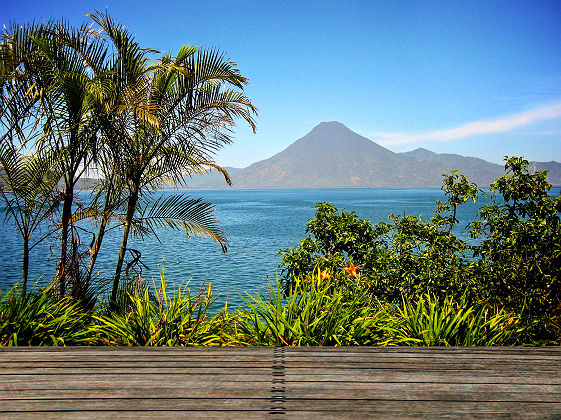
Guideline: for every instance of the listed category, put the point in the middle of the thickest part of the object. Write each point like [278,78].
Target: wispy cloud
[475,128]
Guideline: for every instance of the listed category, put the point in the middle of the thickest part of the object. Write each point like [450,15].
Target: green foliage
[179,319]
[95,99]
[318,312]
[165,121]
[521,248]
[407,256]
[514,263]
[334,239]
[315,313]
[406,282]
[35,319]
[193,215]
[457,190]
[28,189]
[429,321]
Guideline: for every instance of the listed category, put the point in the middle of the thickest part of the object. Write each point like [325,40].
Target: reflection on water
[257,223]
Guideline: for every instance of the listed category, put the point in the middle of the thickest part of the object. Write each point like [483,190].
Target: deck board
[257,383]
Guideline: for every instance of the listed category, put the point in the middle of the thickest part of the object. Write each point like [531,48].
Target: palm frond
[193,215]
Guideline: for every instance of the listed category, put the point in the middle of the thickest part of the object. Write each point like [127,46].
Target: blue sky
[479,78]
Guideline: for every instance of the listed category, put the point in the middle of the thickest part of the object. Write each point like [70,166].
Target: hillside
[477,170]
[333,156]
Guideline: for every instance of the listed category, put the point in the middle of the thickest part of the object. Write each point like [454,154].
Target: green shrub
[315,312]
[520,255]
[35,319]
[429,321]
[514,262]
[178,319]
[407,256]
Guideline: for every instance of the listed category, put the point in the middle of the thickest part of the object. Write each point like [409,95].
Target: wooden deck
[243,383]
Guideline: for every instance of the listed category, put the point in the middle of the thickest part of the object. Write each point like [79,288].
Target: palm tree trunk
[106,217]
[25,265]
[66,219]
[133,199]
[97,247]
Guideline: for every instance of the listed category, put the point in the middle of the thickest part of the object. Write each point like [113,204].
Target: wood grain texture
[258,383]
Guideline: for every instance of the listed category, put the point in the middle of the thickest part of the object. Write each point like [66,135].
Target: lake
[257,223]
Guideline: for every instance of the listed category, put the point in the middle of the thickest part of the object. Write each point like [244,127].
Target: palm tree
[63,58]
[27,182]
[28,186]
[182,111]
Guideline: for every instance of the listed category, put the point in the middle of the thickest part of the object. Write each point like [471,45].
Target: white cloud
[475,128]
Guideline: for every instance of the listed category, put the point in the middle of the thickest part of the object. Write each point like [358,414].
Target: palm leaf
[193,215]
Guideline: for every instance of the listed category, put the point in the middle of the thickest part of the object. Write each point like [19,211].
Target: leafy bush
[408,256]
[521,248]
[179,319]
[407,282]
[315,313]
[429,321]
[514,262]
[35,319]
[318,312]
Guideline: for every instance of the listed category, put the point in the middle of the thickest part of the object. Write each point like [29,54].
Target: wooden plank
[357,361]
[384,391]
[344,371]
[159,414]
[54,382]
[299,382]
[102,357]
[136,364]
[357,407]
[107,352]
[419,377]
[364,357]
[140,404]
[550,374]
[216,414]
[132,377]
[196,390]
[138,349]
[435,409]
[426,349]
[418,392]
[397,350]
[260,353]
[79,369]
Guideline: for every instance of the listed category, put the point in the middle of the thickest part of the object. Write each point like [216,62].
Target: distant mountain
[554,168]
[332,156]
[477,170]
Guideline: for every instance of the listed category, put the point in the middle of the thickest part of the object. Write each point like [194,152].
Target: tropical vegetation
[407,282]
[511,264]
[91,100]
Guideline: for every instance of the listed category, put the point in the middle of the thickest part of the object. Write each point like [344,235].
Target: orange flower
[324,275]
[351,269]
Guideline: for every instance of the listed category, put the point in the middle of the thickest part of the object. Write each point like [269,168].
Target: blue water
[257,223]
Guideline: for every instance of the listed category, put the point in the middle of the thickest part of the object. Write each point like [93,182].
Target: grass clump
[36,319]
[317,311]
[314,313]
[430,321]
[159,319]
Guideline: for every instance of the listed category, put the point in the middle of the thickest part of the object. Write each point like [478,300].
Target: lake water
[257,223]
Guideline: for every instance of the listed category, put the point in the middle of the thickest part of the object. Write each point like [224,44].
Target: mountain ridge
[333,156]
